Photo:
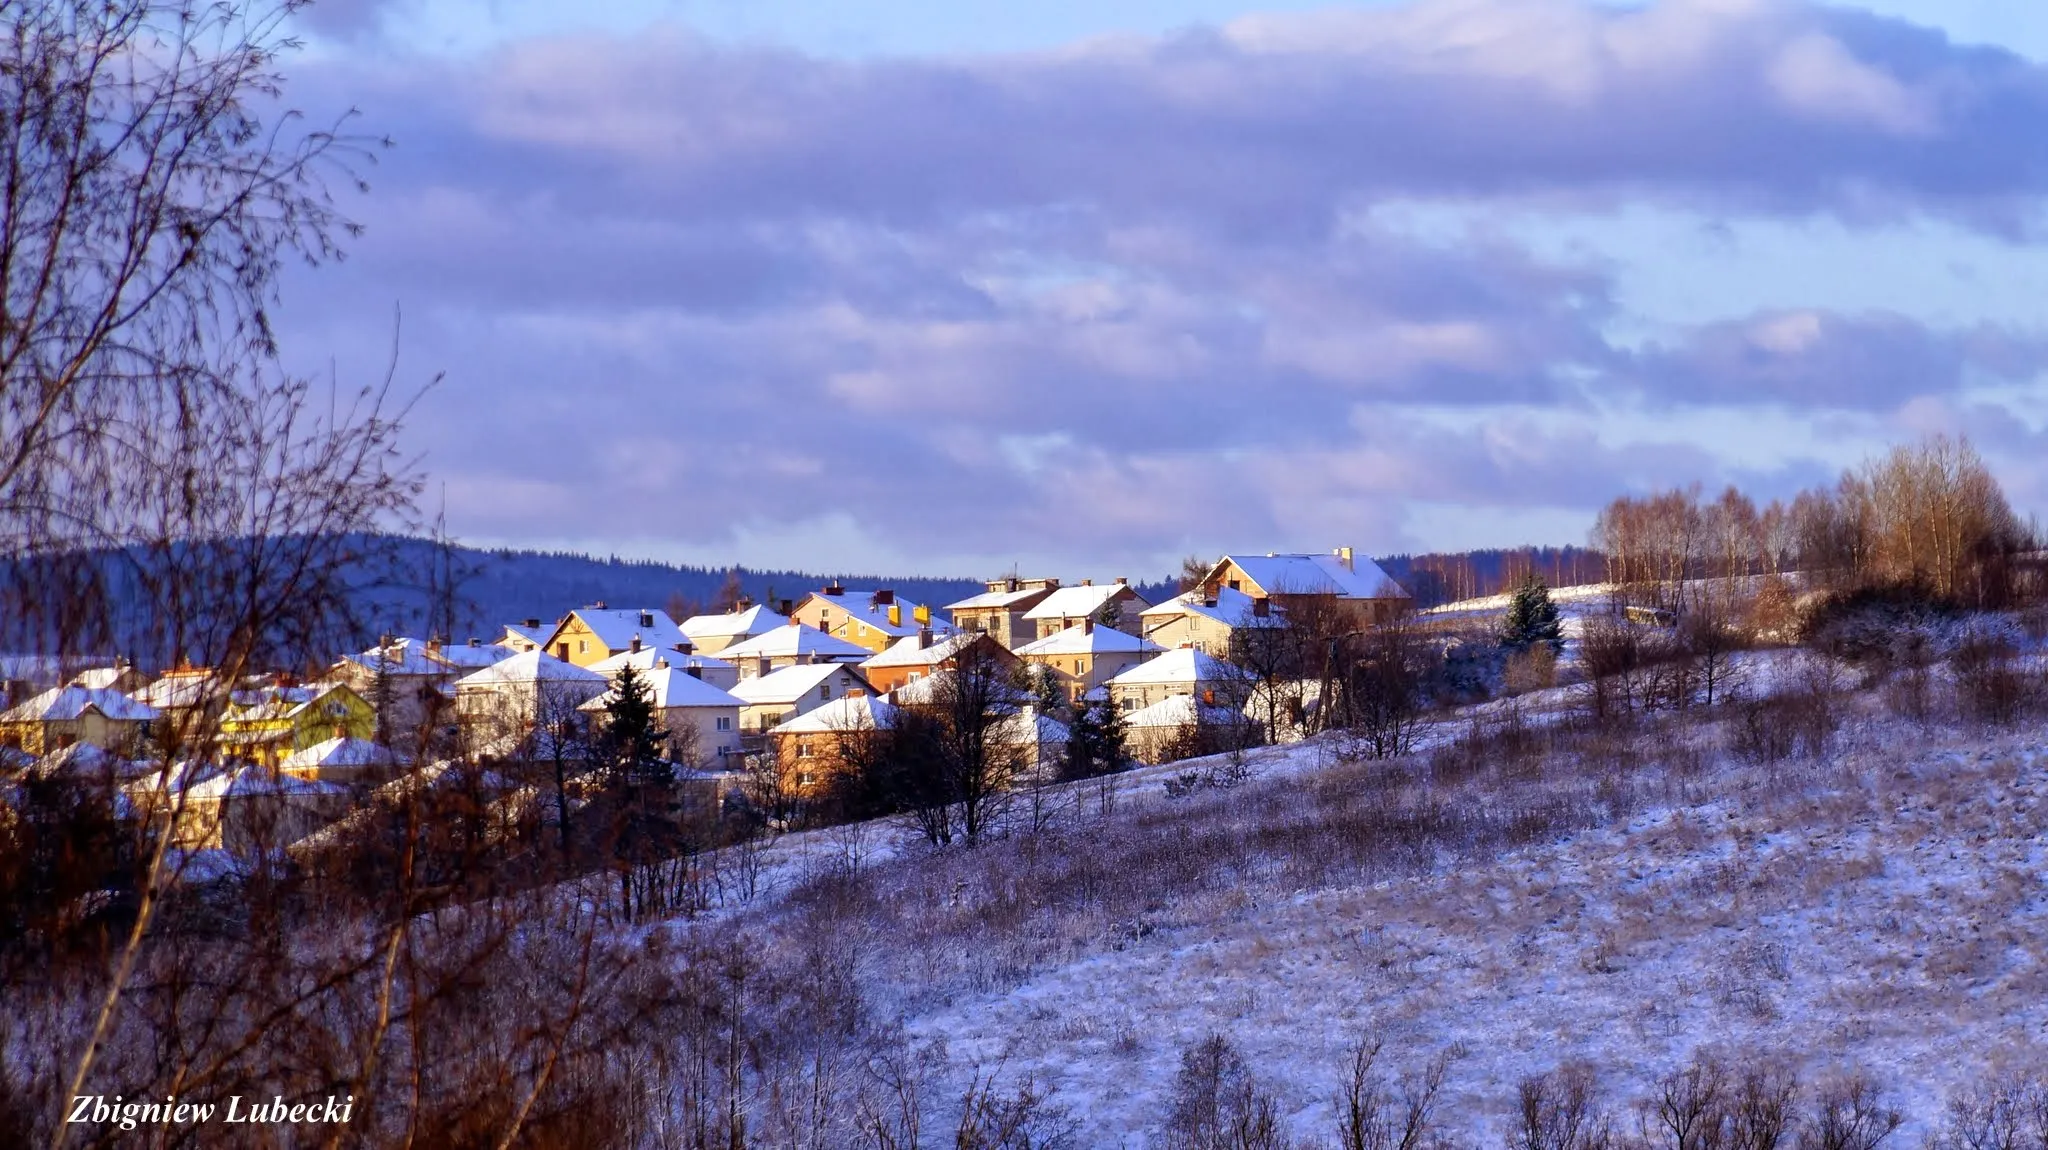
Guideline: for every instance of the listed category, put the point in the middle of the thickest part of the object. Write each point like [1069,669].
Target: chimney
[783,607]
[743,603]
[761,665]
[924,637]
[1087,582]
[475,642]
[686,647]
[646,618]
[597,606]
[532,624]
[1087,626]
[694,671]
[661,664]
[835,588]
[1261,607]
[635,645]
[1122,582]
[1344,557]
[895,615]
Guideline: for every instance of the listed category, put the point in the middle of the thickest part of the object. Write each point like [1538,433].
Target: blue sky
[947,287]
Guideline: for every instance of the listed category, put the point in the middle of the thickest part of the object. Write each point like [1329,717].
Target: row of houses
[761,683]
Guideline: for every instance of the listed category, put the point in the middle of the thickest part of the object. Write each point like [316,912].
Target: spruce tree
[632,736]
[1532,619]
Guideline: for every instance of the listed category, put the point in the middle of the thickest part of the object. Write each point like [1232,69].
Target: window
[725,722]
[803,750]
[582,646]
[825,693]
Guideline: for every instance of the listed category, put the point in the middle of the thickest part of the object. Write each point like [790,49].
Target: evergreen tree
[633,737]
[1532,618]
[1095,741]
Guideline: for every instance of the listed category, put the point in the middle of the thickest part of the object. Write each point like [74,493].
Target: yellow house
[268,724]
[1085,657]
[67,716]
[593,634]
[1210,623]
[1110,604]
[871,619]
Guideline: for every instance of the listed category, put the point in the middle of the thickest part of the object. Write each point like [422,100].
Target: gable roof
[646,657]
[794,641]
[1232,609]
[998,599]
[1179,711]
[617,629]
[905,652]
[470,656]
[844,714]
[529,667]
[64,704]
[1083,639]
[533,635]
[671,687]
[339,752]
[101,678]
[1180,665]
[1079,602]
[754,620]
[790,683]
[1302,574]
[862,606]
[404,655]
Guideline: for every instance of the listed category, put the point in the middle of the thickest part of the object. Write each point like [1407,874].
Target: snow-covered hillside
[1624,900]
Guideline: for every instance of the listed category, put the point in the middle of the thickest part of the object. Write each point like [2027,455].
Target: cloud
[1112,298]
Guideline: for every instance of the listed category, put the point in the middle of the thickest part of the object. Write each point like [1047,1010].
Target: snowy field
[1877,908]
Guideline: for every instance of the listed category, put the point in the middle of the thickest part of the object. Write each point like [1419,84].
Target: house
[1341,578]
[1086,656]
[1179,727]
[120,675]
[719,673]
[1037,741]
[463,658]
[343,759]
[1181,671]
[790,646]
[66,716]
[919,656]
[828,740]
[593,634]
[402,680]
[1213,623]
[22,676]
[252,809]
[712,634]
[511,696]
[871,619]
[271,722]
[999,611]
[1109,604]
[702,721]
[767,701]
[519,638]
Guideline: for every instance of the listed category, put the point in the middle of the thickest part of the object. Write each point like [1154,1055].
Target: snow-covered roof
[1232,608]
[1028,727]
[989,599]
[63,704]
[100,678]
[754,620]
[338,753]
[529,667]
[924,692]
[1180,665]
[1078,602]
[862,605]
[470,656]
[1179,711]
[1276,574]
[180,689]
[646,657]
[849,713]
[440,775]
[251,781]
[1088,639]
[617,629]
[905,652]
[789,683]
[533,635]
[90,760]
[796,641]
[672,687]
[401,656]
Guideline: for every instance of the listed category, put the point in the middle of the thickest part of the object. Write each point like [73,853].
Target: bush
[1218,1106]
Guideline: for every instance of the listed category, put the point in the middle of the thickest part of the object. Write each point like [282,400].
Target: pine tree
[1095,741]
[1532,618]
[633,738]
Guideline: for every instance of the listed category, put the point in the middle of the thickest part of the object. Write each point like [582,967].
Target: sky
[951,288]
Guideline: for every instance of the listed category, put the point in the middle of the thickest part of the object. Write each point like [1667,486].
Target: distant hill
[494,587]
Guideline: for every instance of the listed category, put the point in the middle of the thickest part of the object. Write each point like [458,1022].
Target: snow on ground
[1884,911]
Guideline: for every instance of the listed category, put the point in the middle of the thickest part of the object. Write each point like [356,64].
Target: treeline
[1438,577]
[1928,519]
